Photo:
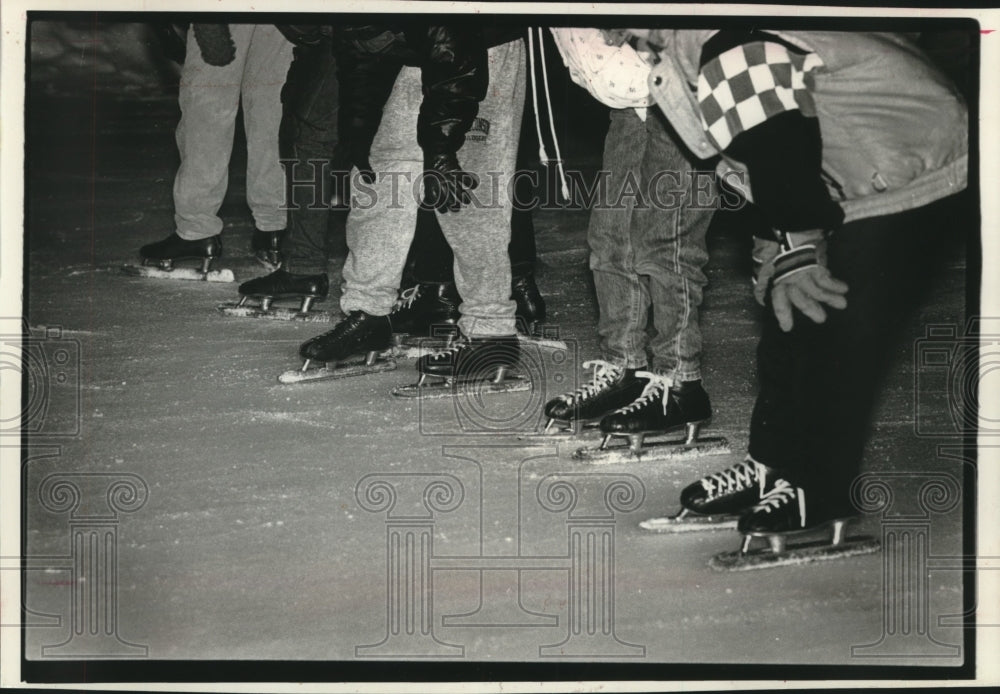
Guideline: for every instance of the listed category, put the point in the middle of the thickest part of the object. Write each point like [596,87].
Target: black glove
[216,43]
[446,185]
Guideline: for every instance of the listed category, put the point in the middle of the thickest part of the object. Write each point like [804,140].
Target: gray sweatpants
[209,98]
[383,216]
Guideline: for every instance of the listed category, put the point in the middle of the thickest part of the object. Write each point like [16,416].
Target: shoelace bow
[604,373]
[740,476]
[782,493]
[657,387]
[406,298]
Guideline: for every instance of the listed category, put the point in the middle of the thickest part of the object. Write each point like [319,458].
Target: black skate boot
[610,388]
[265,246]
[783,514]
[661,408]
[715,501]
[473,361]
[730,491]
[285,285]
[164,253]
[427,310]
[530,304]
[358,334]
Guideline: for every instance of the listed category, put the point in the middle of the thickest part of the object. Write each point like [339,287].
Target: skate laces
[740,476]
[406,298]
[780,495]
[604,373]
[657,387]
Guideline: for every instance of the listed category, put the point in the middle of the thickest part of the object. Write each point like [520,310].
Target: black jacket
[455,76]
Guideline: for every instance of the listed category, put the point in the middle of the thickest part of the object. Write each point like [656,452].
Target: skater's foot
[610,388]
[530,304]
[732,490]
[426,308]
[172,248]
[286,285]
[265,247]
[660,408]
[471,358]
[784,509]
[359,333]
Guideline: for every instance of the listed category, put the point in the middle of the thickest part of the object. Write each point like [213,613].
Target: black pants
[308,136]
[819,382]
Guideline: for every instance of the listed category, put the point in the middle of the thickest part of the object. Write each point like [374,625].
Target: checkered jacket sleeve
[749,83]
[757,108]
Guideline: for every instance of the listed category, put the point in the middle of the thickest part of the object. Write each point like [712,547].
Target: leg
[819,383]
[480,233]
[209,99]
[380,227]
[622,298]
[669,240]
[267,63]
[309,138]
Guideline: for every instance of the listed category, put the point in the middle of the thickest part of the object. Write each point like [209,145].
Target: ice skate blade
[561,434]
[513,383]
[655,450]
[541,340]
[234,310]
[795,555]
[179,273]
[689,523]
[343,370]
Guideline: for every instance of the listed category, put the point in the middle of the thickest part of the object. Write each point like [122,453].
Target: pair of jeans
[648,249]
[309,136]
[209,99]
[383,215]
[819,382]
[430,260]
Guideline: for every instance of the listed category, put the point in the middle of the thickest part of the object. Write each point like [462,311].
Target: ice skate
[611,387]
[281,286]
[530,310]
[791,534]
[426,317]
[659,410]
[471,366]
[355,347]
[158,260]
[265,246]
[716,501]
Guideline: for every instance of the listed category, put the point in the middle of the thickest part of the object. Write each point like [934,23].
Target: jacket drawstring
[542,153]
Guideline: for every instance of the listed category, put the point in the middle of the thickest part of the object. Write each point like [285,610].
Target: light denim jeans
[649,256]
[381,224]
[209,99]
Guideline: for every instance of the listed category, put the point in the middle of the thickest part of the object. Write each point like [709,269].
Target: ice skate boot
[281,285]
[426,315]
[265,246]
[530,304]
[338,350]
[478,366]
[611,387]
[158,260]
[661,408]
[716,501]
[782,518]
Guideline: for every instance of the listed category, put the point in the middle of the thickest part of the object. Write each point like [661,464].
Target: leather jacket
[455,77]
